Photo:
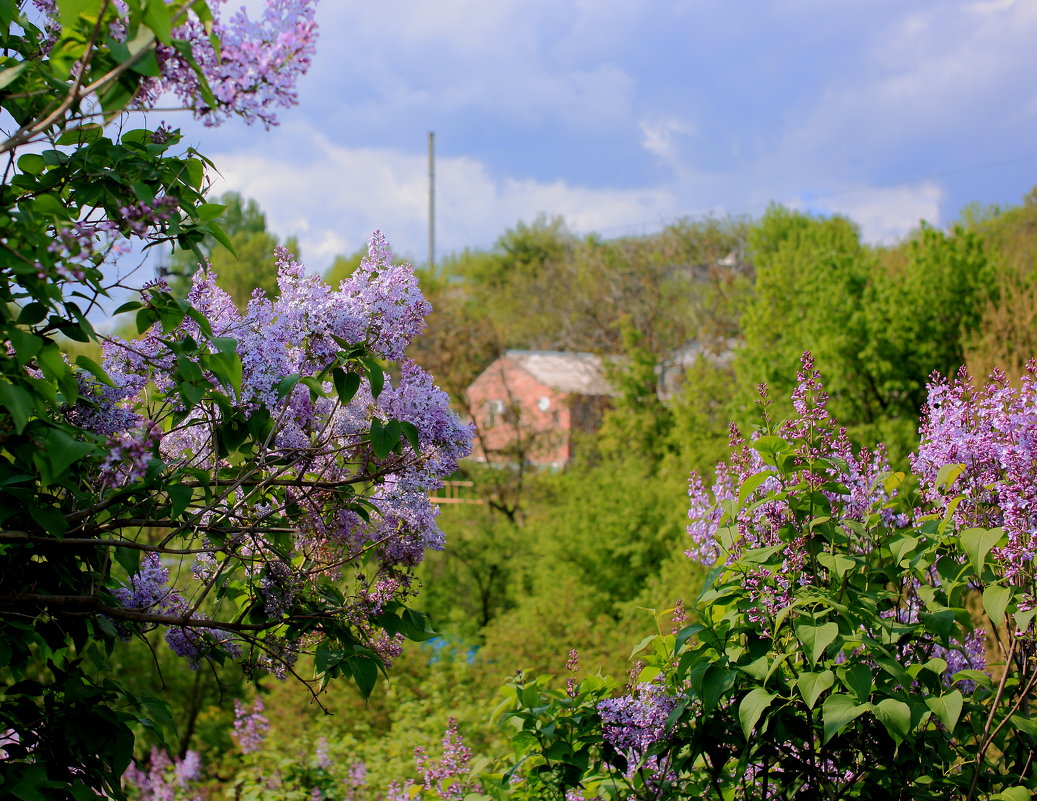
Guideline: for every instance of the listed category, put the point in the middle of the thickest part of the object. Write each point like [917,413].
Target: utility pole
[431,201]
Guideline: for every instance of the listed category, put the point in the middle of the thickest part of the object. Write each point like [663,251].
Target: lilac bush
[251,484]
[864,633]
[338,465]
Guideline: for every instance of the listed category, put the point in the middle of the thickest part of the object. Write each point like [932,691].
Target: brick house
[528,403]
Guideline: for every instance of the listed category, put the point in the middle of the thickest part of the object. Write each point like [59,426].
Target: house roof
[578,373]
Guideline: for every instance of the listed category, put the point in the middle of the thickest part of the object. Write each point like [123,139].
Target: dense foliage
[858,638]
[249,483]
[237,486]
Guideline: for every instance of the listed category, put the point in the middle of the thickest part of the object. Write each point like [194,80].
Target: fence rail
[451,492]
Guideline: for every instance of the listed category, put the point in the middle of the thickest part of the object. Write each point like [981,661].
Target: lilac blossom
[633,723]
[320,442]
[165,779]
[254,68]
[250,725]
[852,487]
[991,432]
[356,779]
[148,592]
[444,778]
[129,456]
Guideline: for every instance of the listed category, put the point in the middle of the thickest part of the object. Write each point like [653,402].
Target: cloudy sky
[623,115]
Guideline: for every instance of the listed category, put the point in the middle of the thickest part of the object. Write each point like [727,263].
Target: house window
[544,403]
[494,409]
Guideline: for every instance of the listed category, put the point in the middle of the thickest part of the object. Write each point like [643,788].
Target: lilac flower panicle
[250,725]
[759,522]
[991,432]
[163,778]
[446,778]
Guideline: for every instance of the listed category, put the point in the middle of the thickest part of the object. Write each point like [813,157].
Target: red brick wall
[521,430]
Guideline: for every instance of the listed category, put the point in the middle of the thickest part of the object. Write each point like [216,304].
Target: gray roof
[578,373]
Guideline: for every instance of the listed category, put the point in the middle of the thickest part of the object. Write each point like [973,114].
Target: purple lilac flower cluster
[165,779]
[250,725]
[254,68]
[632,723]
[298,333]
[149,591]
[991,432]
[814,433]
[149,588]
[129,456]
[443,778]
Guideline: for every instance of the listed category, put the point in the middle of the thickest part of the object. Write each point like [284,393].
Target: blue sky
[623,115]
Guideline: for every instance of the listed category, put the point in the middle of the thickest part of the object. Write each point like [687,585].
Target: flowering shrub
[252,484]
[863,633]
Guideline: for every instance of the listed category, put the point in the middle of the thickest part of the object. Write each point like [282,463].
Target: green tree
[247,264]
[810,275]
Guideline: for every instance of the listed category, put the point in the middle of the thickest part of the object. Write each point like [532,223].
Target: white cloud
[333,197]
[886,214]
[659,137]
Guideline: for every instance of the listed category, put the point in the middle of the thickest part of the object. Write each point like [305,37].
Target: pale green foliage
[250,266]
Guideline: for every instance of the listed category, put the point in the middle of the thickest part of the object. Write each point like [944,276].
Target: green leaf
[130,305]
[410,431]
[995,601]
[62,451]
[92,367]
[686,634]
[346,384]
[69,11]
[157,17]
[816,639]
[895,716]
[976,544]
[179,499]
[751,707]
[946,707]
[750,485]
[31,314]
[836,563]
[715,682]
[365,674]
[1017,793]
[948,474]
[25,344]
[811,685]
[32,164]
[8,74]
[208,211]
[195,175]
[81,135]
[375,376]
[1027,726]
[34,777]
[939,623]
[128,559]
[316,387]
[902,547]
[978,676]
[286,385]
[1023,618]
[50,518]
[381,437]
[858,680]
[838,712]
[18,403]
